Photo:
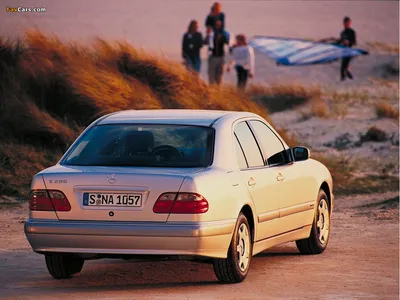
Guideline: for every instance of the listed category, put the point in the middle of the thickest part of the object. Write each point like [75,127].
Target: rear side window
[143,145]
[270,144]
[249,145]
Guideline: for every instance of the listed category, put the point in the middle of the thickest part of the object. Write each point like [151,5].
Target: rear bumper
[209,239]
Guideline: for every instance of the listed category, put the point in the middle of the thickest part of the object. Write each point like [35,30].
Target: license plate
[102,199]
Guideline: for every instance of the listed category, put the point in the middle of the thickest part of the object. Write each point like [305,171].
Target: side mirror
[300,153]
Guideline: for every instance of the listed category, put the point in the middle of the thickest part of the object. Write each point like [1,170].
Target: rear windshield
[143,145]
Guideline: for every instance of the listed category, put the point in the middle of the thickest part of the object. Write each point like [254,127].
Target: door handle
[280,177]
[251,182]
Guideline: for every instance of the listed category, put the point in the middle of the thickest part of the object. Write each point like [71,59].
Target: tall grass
[53,85]
[385,110]
[278,98]
[50,90]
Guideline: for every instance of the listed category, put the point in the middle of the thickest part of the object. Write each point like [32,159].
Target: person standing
[216,59]
[191,44]
[347,39]
[243,59]
[215,15]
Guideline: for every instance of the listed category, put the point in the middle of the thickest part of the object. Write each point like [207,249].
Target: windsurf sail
[297,52]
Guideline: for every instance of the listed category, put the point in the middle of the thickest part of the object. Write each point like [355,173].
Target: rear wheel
[318,240]
[63,266]
[234,268]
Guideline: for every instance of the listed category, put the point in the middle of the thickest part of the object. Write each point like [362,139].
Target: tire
[317,242]
[63,266]
[235,267]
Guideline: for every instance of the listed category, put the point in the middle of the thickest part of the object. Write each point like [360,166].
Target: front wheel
[318,240]
[63,266]
[235,267]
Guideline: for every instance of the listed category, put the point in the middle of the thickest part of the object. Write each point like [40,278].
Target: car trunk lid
[83,184]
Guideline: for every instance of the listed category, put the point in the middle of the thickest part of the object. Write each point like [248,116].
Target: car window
[270,144]
[249,145]
[239,155]
[152,145]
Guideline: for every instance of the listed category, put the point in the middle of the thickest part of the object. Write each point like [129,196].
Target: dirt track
[362,261]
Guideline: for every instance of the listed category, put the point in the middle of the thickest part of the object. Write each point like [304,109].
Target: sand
[361,262]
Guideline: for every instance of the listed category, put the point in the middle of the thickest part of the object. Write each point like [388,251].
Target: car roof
[170,116]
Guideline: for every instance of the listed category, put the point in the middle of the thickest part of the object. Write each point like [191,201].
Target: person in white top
[243,58]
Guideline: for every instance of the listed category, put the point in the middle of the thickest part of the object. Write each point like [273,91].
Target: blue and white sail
[296,52]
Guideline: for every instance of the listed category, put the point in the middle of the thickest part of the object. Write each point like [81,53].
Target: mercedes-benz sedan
[189,184]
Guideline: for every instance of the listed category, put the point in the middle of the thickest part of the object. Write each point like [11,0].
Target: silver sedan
[218,186]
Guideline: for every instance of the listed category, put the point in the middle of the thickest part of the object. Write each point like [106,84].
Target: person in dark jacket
[215,15]
[347,39]
[191,44]
[216,40]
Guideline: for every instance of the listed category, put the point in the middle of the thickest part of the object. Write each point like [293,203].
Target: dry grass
[278,98]
[382,90]
[341,169]
[345,181]
[350,97]
[385,110]
[338,103]
[369,184]
[316,108]
[51,90]
[76,83]
[319,109]
[19,162]
[384,47]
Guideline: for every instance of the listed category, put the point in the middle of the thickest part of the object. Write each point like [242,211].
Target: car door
[295,203]
[260,181]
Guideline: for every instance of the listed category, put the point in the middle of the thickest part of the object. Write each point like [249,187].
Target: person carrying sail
[347,39]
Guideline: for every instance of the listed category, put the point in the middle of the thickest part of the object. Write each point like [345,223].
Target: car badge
[112,178]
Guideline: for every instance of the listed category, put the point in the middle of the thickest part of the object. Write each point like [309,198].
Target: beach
[158,26]
[351,126]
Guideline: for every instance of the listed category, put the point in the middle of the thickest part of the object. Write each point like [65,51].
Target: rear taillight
[60,202]
[48,200]
[180,203]
[189,203]
[164,203]
[40,200]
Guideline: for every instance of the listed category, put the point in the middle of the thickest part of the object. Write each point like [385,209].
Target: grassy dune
[50,90]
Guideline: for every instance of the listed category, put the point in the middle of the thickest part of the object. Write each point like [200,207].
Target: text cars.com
[22,9]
